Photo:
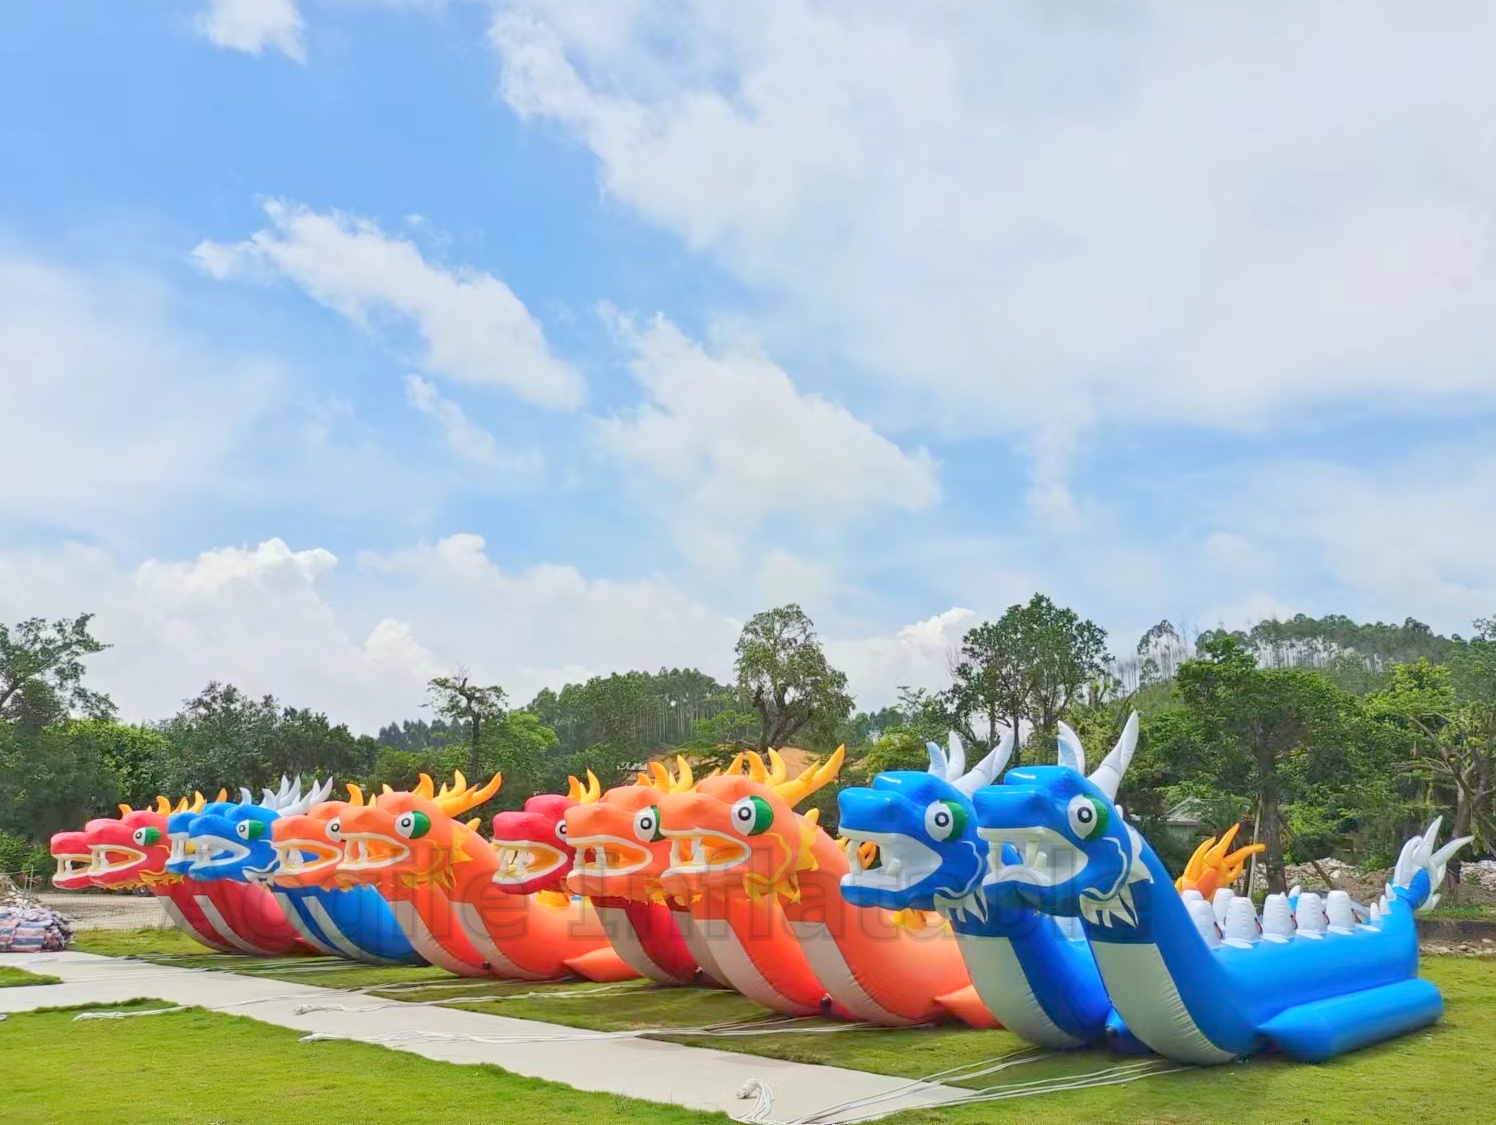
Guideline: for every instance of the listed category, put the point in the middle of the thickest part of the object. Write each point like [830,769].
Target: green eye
[147,835]
[752,815]
[647,825]
[1088,816]
[944,819]
[413,824]
[251,829]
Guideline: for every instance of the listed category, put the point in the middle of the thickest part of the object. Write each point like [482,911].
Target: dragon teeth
[1241,922]
[1221,904]
[1339,911]
[854,858]
[1277,918]
[1310,915]
[1204,919]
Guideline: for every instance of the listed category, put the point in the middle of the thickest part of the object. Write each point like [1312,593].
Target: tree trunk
[473,769]
[1271,829]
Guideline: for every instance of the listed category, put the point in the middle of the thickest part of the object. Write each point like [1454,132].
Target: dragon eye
[147,836]
[250,829]
[944,819]
[1088,816]
[752,815]
[413,824]
[335,829]
[647,824]
[561,830]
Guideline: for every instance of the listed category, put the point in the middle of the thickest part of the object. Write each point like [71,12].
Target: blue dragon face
[1075,854]
[179,833]
[925,829]
[234,843]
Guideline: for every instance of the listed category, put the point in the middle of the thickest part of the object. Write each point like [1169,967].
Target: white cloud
[1162,214]
[463,435]
[732,431]
[917,656]
[103,400]
[475,329]
[254,25]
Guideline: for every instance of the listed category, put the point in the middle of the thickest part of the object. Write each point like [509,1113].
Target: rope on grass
[305,1009]
[769,1026]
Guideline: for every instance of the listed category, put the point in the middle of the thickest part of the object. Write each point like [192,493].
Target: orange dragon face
[736,831]
[620,850]
[308,856]
[408,838]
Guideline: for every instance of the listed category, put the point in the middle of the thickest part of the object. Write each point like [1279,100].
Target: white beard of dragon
[1102,908]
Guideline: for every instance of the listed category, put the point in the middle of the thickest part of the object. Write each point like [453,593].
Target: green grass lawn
[1431,1077]
[11,976]
[205,1068]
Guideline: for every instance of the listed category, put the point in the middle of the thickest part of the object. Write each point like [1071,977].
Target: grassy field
[1392,1083]
[10,976]
[205,1068]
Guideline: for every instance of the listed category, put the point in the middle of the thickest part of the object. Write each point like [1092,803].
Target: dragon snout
[868,811]
[1002,806]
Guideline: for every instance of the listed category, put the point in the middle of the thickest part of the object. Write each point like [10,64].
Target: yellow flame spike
[812,816]
[459,782]
[125,810]
[355,795]
[385,788]
[659,777]
[199,801]
[223,795]
[163,806]
[779,773]
[756,768]
[592,792]
[684,780]
[183,805]
[573,788]
[472,825]
[469,797]
[425,788]
[813,777]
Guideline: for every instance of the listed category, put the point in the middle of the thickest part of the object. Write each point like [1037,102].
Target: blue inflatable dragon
[1311,983]
[1034,973]
[233,842]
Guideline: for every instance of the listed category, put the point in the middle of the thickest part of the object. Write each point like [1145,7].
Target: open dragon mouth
[218,851]
[1046,858]
[368,851]
[69,864]
[903,861]
[182,848]
[306,857]
[600,856]
[521,861]
[106,859]
[699,852]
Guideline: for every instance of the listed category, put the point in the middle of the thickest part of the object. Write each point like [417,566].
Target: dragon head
[132,849]
[305,855]
[179,830]
[924,828]
[1076,854]
[235,843]
[736,830]
[620,850]
[409,837]
[532,845]
[70,850]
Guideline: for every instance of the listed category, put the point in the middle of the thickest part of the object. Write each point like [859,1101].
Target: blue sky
[348,341]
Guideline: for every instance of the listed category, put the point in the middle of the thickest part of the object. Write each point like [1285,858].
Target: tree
[1255,719]
[458,699]
[1029,665]
[783,673]
[47,658]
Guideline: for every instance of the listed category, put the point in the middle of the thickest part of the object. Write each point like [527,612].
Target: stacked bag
[26,926]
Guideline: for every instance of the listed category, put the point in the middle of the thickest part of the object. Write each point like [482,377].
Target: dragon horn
[659,777]
[957,764]
[779,773]
[458,781]
[1071,752]
[425,788]
[937,759]
[198,800]
[313,796]
[813,777]
[124,809]
[1108,775]
[683,778]
[183,805]
[812,816]
[245,796]
[385,788]
[163,806]
[469,797]
[573,788]
[986,771]
[593,790]
[755,767]
[268,799]
[355,795]
[223,795]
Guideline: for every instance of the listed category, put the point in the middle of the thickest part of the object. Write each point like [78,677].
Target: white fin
[955,766]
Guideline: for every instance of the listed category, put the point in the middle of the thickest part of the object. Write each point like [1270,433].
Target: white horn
[1072,753]
[314,796]
[956,766]
[985,772]
[245,796]
[937,759]
[1108,775]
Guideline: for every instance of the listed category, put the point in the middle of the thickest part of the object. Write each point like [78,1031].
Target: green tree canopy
[783,673]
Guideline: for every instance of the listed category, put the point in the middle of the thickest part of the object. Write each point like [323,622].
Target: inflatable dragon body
[1312,987]
[1035,973]
[238,845]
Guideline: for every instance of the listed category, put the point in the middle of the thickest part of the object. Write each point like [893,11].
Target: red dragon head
[533,850]
[131,850]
